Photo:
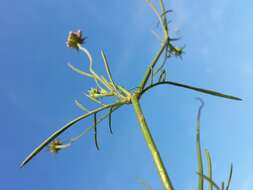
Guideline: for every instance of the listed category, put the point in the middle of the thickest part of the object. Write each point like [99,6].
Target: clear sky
[38,92]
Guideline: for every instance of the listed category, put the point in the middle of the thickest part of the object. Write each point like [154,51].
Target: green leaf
[209,161]
[81,106]
[205,91]
[198,148]
[110,120]
[95,131]
[162,76]
[210,180]
[230,177]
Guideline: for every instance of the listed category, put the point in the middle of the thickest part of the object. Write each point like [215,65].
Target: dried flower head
[178,51]
[55,146]
[75,38]
[94,92]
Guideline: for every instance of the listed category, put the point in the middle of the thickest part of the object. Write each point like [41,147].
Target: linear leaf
[110,119]
[230,176]
[198,148]
[205,91]
[210,180]
[209,162]
[81,106]
[95,131]
[61,130]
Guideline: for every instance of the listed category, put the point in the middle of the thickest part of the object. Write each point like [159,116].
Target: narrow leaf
[81,106]
[205,91]
[107,68]
[110,120]
[230,177]
[209,161]
[166,12]
[210,180]
[95,131]
[75,69]
[211,92]
[162,76]
[152,75]
[94,99]
[198,148]
[222,185]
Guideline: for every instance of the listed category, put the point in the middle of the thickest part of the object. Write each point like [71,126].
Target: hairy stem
[151,144]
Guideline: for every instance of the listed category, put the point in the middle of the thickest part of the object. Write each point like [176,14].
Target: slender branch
[96,77]
[151,144]
[107,68]
[64,128]
[163,25]
[164,17]
[205,91]
[152,64]
[198,148]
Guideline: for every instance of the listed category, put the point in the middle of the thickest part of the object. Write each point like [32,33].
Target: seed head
[55,146]
[178,51]
[75,38]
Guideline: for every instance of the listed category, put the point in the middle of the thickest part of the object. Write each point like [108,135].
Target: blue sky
[38,92]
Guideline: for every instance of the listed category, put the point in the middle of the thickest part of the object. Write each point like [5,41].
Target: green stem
[164,17]
[152,64]
[210,175]
[198,148]
[151,144]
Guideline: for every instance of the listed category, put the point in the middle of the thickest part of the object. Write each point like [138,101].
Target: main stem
[151,144]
